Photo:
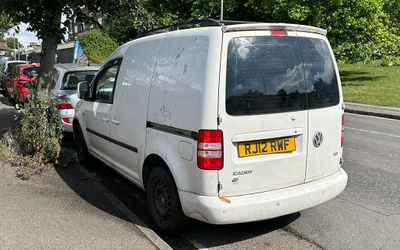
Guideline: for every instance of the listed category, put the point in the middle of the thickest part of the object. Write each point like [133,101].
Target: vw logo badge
[318,139]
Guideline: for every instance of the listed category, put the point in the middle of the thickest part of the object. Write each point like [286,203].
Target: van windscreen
[279,74]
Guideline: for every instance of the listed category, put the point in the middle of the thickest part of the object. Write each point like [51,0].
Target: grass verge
[371,84]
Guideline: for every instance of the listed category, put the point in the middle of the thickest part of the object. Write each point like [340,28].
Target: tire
[81,146]
[10,98]
[163,202]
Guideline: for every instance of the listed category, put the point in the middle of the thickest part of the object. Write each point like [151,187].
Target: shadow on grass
[95,182]
[351,73]
[357,78]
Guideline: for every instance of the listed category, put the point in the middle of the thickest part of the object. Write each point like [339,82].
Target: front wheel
[163,202]
[81,147]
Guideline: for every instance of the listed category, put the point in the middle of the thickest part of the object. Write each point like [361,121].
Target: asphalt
[365,216]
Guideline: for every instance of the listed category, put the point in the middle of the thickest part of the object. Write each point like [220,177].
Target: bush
[36,142]
[97,45]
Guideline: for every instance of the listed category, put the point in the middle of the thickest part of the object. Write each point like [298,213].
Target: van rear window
[279,74]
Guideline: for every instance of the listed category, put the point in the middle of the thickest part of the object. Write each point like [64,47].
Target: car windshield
[32,72]
[279,74]
[71,79]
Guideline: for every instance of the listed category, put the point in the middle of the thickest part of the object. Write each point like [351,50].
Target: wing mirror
[84,90]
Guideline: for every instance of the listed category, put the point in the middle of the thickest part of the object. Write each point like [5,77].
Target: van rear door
[262,110]
[325,112]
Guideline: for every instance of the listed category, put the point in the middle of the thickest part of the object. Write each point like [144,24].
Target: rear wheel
[163,201]
[81,147]
[10,97]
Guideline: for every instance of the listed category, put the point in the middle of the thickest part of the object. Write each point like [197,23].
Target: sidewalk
[363,109]
[64,209]
[45,213]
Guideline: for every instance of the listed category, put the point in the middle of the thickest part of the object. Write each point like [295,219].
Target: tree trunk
[51,35]
[47,61]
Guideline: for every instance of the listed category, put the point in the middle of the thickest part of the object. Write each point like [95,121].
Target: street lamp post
[222,11]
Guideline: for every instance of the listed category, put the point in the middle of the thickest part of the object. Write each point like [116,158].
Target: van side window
[104,83]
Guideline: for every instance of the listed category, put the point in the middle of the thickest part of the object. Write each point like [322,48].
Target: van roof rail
[236,26]
[192,23]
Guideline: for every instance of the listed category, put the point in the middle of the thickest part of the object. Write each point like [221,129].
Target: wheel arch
[151,161]
[75,123]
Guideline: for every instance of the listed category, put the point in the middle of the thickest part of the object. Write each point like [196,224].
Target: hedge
[97,45]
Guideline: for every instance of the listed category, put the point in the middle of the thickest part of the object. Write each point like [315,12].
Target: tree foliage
[356,28]
[5,23]
[43,17]
[13,43]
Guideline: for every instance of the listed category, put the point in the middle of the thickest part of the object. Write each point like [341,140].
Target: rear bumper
[67,127]
[67,113]
[265,205]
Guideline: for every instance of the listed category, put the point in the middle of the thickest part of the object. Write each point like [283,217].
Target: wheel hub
[162,199]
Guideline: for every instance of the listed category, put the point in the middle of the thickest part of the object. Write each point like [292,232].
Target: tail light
[62,97]
[210,151]
[64,106]
[67,120]
[342,135]
[63,102]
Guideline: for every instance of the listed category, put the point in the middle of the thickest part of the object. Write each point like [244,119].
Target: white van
[224,124]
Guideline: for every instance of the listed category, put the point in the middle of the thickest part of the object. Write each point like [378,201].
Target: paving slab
[45,213]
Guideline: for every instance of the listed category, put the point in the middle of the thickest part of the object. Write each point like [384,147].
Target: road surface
[365,216]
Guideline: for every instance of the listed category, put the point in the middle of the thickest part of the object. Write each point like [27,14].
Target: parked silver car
[65,79]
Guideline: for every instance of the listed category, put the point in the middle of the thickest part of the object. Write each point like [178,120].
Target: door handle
[115,122]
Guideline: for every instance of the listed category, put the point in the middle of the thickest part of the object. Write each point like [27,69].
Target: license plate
[270,146]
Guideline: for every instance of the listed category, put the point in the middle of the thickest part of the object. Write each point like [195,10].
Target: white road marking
[373,132]
[374,117]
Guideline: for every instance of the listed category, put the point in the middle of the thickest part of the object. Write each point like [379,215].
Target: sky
[25,37]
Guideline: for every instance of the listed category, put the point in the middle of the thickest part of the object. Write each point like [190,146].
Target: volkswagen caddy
[223,124]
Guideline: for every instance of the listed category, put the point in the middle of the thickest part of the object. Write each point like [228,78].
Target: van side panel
[129,111]
[183,99]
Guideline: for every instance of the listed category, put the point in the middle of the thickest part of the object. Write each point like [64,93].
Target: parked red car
[18,84]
